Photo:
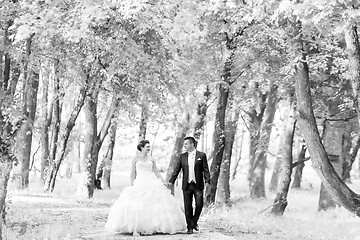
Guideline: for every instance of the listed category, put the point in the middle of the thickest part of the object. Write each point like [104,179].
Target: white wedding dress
[146,207]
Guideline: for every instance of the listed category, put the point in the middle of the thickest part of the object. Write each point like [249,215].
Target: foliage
[165,52]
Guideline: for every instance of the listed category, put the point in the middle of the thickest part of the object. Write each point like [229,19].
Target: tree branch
[110,115]
[295,164]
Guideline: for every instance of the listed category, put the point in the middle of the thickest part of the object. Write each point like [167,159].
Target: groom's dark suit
[201,170]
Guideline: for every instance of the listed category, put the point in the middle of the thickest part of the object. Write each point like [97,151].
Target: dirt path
[45,217]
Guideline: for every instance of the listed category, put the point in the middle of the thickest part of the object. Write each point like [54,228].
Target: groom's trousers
[192,191]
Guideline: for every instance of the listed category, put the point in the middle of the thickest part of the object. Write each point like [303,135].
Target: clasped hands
[168,184]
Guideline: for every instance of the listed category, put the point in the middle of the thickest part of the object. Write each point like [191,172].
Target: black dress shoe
[196,228]
[189,231]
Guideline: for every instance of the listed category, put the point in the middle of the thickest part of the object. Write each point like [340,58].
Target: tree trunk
[5,72]
[353,50]
[143,120]
[218,141]
[307,124]
[87,182]
[5,169]
[280,201]
[201,114]
[257,172]
[182,129]
[6,154]
[299,168]
[69,167]
[333,144]
[24,138]
[326,202]
[223,195]
[2,85]
[6,162]
[105,183]
[46,118]
[57,108]
[273,185]
[7,157]
[14,80]
[346,154]
[77,155]
[348,164]
[55,165]
[236,164]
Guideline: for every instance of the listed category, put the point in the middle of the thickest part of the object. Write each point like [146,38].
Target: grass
[33,214]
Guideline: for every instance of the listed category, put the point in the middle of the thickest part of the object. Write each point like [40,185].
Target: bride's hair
[142,144]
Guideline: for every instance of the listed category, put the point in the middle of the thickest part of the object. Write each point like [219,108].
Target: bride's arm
[156,170]
[133,171]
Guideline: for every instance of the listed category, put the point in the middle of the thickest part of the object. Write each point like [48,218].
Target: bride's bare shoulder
[135,159]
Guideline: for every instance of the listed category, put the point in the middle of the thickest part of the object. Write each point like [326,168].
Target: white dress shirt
[191,162]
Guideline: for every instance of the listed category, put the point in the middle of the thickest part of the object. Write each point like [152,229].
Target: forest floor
[32,214]
[45,217]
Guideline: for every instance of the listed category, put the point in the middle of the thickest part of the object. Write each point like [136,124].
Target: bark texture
[143,120]
[24,137]
[56,118]
[341,193]
[261,142]
[89,182]
[201,114]
[218,142]
[275,174]
[106,176]
[55,165]
[223,195]
[280,201]
[333,134]
[353,50]
[299,168]
[240,145]
[182,129]
[46,119]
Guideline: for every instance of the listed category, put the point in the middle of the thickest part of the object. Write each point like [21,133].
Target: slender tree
[144,119]
[6,161]
[231,40]
[105,183]
[182,129]
[320,160]
[47,107]
[24,137]
[299,168]
[56,115]
[353,49]
[240,146]
[332,138]
[223,195]
[280,201]
[275,174]
[55,165]
[87,185]
[201,114]
[261,142]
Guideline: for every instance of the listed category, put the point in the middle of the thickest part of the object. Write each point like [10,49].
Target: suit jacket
[201,170]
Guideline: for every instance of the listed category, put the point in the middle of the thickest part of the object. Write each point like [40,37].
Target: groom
[195,170]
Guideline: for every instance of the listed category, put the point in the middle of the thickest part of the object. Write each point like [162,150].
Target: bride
[145,207]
